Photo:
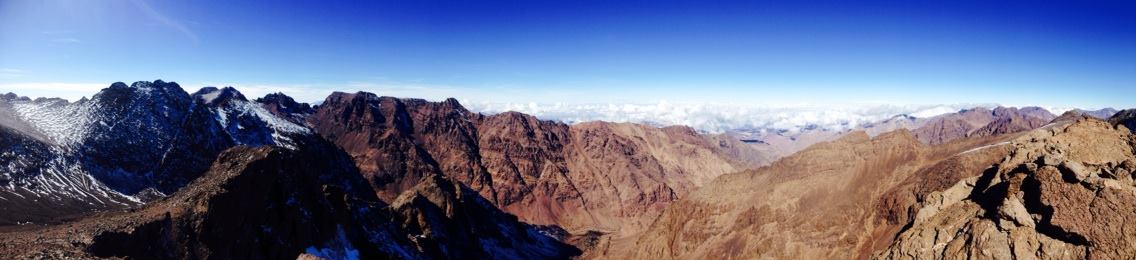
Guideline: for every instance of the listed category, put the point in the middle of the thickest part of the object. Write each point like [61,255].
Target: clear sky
[1079,54]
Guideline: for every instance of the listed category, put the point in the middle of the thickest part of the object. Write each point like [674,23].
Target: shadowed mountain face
[299,202]
[1126,118]
[447,219]
[591,176]
[277,203]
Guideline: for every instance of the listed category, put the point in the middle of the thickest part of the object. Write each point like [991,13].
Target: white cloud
[66,40]
[57,32]
[1062,109]
[69,91]
[936,110]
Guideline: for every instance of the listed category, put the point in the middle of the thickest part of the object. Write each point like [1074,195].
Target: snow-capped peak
[213,95]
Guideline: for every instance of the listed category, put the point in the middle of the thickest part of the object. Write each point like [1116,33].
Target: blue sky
[906,52]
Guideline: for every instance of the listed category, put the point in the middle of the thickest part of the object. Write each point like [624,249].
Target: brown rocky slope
[1045,193]
[586,177]
[844,199]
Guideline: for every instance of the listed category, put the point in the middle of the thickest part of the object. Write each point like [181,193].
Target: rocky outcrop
[1059,194]
[937,185]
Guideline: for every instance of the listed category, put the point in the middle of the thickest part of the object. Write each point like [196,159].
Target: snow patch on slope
[281,130]
[337,248]
[934,111]
[209,97]
[64,123]
[1059,110]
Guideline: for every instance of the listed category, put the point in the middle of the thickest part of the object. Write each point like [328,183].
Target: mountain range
[151,171]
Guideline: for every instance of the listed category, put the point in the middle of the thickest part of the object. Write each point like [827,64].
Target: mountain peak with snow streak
[248,122]
[213,95]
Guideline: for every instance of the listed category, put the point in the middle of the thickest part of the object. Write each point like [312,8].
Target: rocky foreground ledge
[1062,193]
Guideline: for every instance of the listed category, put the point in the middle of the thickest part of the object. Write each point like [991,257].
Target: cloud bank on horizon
[718,118]
[711,117]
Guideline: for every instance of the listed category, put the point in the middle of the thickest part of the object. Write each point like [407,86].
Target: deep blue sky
[1041,52]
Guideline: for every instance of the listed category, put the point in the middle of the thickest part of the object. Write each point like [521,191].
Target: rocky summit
[1061,193]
